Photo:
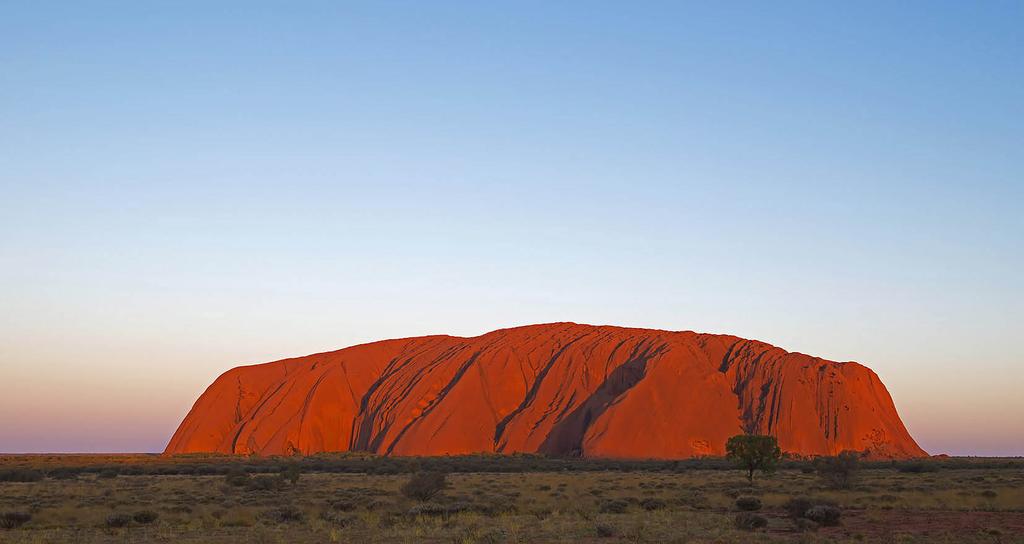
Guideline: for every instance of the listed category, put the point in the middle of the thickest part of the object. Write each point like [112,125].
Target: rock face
[559,389]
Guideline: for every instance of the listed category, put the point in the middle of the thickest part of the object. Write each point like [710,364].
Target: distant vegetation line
[210,464]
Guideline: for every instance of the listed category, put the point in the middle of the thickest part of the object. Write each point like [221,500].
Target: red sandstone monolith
[558,389]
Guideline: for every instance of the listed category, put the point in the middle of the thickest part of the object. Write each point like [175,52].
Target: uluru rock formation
[558,389]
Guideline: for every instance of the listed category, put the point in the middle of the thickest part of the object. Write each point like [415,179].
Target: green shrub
[423,486]
[605,531]
[338,519]
[541,512]
[918,467]
[822,512]
[108,473]
[749,521]
[13,520]
[291,473]
[428,509]
[840,471]
[283,514]
[804,525]
[748,504]
[118,520]
[493,506]
[237,476]
[614,506]
[796,506]
[439,510]
[824,515]
[145,517]
[377,504]
[264,482]
[63,474]
[650,504]
[343,505]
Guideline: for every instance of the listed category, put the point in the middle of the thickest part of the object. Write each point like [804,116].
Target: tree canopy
[754,452]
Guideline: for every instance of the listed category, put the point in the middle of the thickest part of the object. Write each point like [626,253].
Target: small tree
[422,486]
[839,471]
[291,472]
[754,452]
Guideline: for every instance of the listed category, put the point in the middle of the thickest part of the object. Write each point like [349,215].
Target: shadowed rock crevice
[566,437]
[434,402]
[530,395]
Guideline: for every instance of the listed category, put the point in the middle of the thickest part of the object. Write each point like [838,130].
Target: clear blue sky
[189,187]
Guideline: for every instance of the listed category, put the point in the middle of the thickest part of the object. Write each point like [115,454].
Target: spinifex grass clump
[13,520]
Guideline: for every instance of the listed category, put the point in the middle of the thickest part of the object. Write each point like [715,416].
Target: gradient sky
[189,187]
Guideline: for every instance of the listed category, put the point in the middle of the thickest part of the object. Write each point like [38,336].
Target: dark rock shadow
[566,437]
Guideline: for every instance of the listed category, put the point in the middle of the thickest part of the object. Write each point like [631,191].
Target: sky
[190,186]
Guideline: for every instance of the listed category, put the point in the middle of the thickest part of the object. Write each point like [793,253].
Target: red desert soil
[560,389]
